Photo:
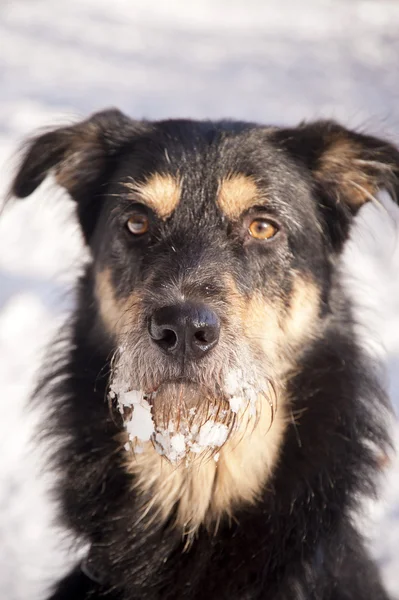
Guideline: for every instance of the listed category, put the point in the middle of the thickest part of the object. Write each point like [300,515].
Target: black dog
[217,420]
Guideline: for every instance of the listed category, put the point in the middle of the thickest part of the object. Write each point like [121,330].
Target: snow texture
[141,425]
[178,437]
[175,441]
[276,62]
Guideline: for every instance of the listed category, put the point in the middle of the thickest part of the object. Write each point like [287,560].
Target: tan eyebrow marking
[237,193]
[161,192]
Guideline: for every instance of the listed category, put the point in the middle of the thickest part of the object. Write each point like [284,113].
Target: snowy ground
[271,61]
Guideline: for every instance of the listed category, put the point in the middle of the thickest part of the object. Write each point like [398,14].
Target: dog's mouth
[183,419]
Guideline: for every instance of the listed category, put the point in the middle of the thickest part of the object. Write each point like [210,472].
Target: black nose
[185,329]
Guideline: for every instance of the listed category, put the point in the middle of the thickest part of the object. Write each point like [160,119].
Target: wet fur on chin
[274,516]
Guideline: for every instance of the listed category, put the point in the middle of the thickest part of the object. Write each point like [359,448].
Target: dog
[217,420]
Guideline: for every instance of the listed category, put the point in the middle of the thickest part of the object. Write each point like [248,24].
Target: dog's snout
[185,329]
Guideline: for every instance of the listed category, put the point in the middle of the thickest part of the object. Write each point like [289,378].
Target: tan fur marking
[280,332]
[263,327]
[248,458]
[160,192]
[304,310]
[117,315]
[236,194]
[342,166]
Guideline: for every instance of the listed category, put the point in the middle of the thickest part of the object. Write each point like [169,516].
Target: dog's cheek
[302,319]
[257,321]
[118,315]
[281,326]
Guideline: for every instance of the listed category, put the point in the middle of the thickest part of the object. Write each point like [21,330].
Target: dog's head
[214,248]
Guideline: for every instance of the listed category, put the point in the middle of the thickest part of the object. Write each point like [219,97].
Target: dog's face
[214,247]
[210,267]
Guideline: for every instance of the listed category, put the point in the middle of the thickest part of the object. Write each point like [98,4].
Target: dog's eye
[262,229]
[138,224]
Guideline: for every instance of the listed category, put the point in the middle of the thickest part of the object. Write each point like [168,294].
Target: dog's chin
[190,420]
[181,419]
[188,401]
[185,418]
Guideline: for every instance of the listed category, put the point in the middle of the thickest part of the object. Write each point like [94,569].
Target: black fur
[299,541]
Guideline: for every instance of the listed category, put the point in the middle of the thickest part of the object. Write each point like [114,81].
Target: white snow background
[276,62]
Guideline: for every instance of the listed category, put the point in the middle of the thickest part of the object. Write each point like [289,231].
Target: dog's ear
[80,156]
[347,168]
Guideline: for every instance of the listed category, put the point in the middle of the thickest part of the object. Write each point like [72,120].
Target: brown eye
[261,229]
[138,224]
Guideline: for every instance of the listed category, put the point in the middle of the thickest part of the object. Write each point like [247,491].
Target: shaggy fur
[270,515]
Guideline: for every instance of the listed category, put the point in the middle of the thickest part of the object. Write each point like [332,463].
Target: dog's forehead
[228,167]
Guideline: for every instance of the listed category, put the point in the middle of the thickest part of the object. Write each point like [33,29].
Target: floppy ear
[81,157]
[347,168]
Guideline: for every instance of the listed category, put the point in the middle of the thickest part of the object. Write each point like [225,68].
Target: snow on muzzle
[184,420]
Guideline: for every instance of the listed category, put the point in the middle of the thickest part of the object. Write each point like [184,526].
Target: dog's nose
[185,329]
